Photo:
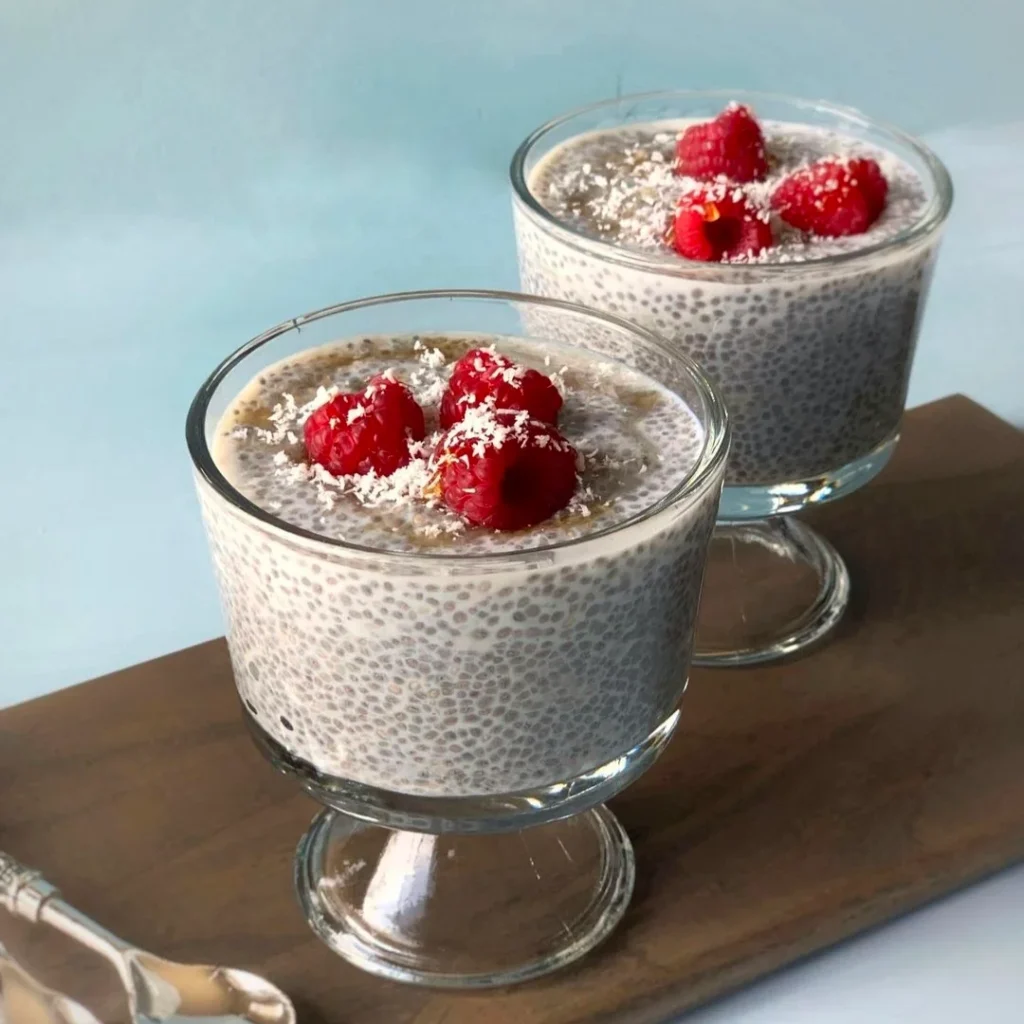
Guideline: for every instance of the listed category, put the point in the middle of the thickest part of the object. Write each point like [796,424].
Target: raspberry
[397,400]
[505,471]
[481,377]
[832,197]
[730,145]
[872,183]
[709,228]
[363,432]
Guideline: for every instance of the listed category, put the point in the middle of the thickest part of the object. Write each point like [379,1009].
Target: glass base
[468,814]
[464,911]
[759,501]
[773,588]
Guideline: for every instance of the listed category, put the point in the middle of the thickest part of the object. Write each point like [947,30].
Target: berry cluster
[831,197]
[501,462]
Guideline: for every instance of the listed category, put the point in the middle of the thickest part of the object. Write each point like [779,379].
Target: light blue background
[174,177]
[177,176]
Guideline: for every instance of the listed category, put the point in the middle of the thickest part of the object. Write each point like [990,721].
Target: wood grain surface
[797,805]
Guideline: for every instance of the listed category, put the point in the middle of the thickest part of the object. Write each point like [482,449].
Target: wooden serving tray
[798,804]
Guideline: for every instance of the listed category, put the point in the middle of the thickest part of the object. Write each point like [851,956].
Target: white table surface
[176,176]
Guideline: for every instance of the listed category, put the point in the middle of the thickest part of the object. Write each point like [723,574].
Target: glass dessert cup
[813,360]
[464,841]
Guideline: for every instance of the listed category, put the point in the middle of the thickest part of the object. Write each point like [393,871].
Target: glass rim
[712,454]
[931,218]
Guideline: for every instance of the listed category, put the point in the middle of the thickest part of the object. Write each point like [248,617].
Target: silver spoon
[157,989]
[23,1000]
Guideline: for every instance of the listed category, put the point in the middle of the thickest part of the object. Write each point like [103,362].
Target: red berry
[367,431]
[481,377]
[872,183]
[832,197]
[730,145]
[397,400]
[710,227]
[506,471]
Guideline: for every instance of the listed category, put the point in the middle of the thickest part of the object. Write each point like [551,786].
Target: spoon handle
[26,894]
[157,989]
[23,892]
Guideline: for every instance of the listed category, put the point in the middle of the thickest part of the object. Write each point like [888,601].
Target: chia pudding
[810,339]
[380,639]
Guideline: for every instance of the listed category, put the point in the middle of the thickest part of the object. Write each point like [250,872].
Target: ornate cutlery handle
[23,891]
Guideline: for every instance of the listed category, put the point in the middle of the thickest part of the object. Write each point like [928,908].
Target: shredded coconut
[620,187]
[433,357]
[558,379]
[413,491]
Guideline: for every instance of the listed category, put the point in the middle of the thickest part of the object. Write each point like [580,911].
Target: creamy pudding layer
[448,675]
[813,363]
[636,439]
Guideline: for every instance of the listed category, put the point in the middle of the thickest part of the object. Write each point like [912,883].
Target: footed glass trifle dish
[787,246]
[460,540]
